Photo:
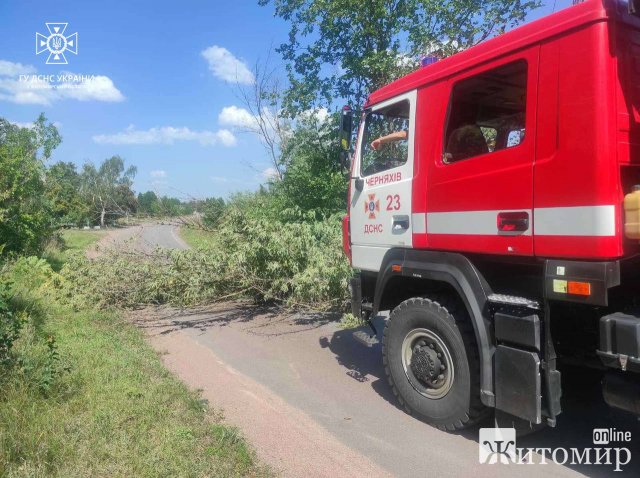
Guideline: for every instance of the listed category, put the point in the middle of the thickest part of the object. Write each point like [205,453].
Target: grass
[112,408]
[197,238]
[78,240]
[72,241]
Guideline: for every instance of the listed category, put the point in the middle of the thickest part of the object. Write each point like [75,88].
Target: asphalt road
[161,235]
[143,238]
[314,402]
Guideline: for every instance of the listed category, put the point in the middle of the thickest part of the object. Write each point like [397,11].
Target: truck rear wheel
[432,364]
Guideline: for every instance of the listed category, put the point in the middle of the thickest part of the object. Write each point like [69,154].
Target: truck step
[513,300]
[365,338]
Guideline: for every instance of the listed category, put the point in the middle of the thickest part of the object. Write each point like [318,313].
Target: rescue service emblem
[372,206]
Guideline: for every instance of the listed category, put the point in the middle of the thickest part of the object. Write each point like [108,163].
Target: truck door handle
[513,221]
[400,222]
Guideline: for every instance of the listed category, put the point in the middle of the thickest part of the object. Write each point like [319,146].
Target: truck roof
[591,11]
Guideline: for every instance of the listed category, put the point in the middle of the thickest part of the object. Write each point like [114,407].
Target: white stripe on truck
[483,223]
[597,221]
[593,221]
[419,223]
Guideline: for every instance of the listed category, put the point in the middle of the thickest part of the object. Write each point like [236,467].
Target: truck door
[480,190]
[380,209]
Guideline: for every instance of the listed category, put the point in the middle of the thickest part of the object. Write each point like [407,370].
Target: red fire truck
[494,210]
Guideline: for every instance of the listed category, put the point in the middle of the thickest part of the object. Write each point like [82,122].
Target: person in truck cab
[389,138]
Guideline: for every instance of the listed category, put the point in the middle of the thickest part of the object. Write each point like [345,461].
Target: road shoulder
[284,437]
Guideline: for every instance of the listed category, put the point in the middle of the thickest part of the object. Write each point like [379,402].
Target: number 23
[393,202]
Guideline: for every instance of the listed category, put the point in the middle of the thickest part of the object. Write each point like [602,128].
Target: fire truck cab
[493,209]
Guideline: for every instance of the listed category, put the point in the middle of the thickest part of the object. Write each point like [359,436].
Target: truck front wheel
[431,361]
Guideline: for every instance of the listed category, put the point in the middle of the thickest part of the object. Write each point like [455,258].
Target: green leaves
[46,136]
[312,182]
[107,189]
[344,49]
[25,213]
[10,326]
[253,256]
[63,184]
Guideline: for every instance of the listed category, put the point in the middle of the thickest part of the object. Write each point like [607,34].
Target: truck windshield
[385,138]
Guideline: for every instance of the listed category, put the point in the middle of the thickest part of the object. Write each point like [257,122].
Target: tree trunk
[102,213]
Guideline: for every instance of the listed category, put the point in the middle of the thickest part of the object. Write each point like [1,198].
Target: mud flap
[518,383]
[527,382]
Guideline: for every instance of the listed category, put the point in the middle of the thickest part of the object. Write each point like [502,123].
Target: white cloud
[99,88]
[158,174]
[219,179]
[8,68]
[227,67]
[167,135]
[21,84]
[269,174]
[237,117]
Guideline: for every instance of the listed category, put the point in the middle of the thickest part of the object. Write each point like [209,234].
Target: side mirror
[346,128]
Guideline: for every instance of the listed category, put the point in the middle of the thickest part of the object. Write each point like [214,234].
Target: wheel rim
[427,363]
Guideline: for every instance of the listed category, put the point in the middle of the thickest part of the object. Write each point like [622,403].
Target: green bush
[25,213]
[295,262]
[312,182]
[10,326]
[97,400]
[212,212]
[28,353]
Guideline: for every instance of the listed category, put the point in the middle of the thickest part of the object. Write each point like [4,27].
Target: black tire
[460,407]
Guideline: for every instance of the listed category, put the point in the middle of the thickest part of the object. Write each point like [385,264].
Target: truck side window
[385,139]
[487,113]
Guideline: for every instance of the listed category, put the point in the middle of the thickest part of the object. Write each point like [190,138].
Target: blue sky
[157,100]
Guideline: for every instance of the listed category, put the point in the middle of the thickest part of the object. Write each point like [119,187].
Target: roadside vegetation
[81,393]
[84,395]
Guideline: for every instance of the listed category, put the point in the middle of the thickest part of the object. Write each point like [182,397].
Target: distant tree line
[103,194]
[151,204]
[37,198]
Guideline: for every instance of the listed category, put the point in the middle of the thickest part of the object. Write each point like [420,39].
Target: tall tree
[108,188]
[343,49]
[267,120]
[63,184]
[312,181]
[25,215]
[148,203]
